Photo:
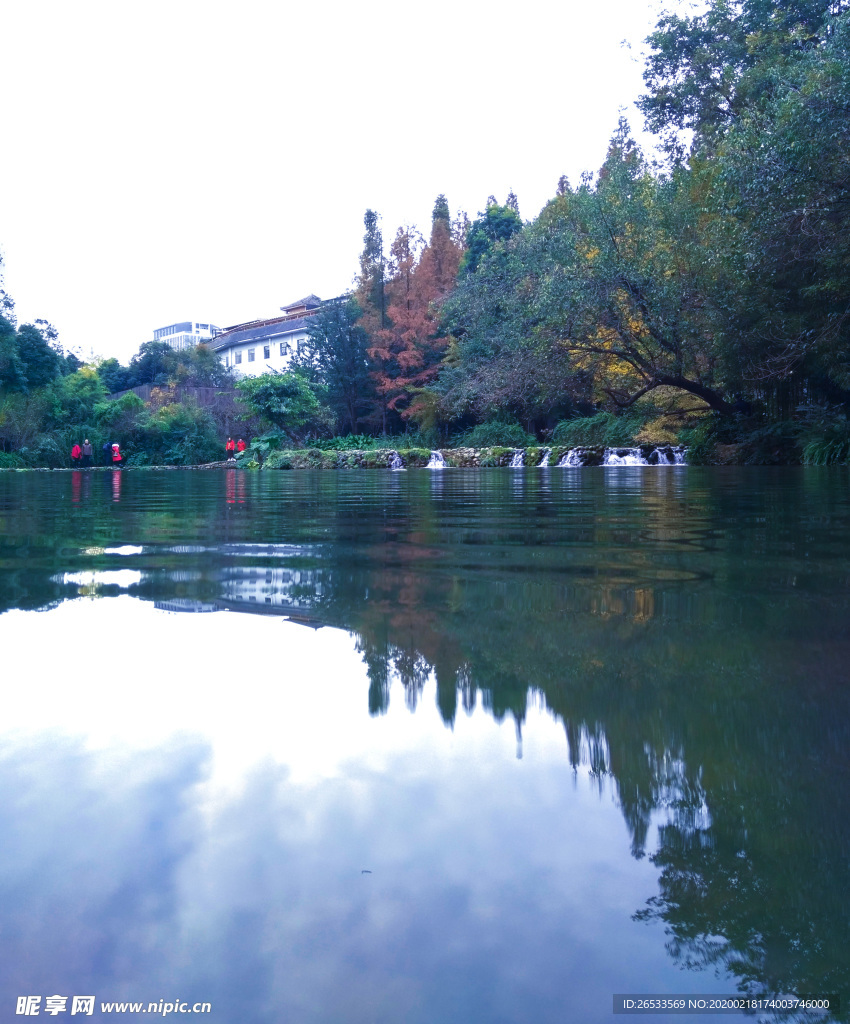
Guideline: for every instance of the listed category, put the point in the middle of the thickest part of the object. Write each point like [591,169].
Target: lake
[462,746]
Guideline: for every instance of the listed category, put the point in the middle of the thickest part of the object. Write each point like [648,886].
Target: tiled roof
[258,331]
[308,302]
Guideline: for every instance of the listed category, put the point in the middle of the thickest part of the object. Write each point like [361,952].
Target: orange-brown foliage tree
[407,351]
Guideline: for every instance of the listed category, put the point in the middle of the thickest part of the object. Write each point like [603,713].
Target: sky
[213,161]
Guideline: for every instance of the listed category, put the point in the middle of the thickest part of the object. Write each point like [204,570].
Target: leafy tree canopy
[496,224]
[287,400]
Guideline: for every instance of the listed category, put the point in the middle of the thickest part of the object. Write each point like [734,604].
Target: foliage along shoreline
[699,298]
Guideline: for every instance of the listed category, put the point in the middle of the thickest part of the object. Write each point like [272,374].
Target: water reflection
[686,631]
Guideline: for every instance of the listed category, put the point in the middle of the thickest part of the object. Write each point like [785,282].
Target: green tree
[287,400]
[497,224]
[115,377]
[12,372]
[154,363]
[705,70]
[611,287]
[39,358]
[74,398]
[336,353]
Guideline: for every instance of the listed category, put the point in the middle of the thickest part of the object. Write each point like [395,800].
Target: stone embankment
[447,458]
[422,458]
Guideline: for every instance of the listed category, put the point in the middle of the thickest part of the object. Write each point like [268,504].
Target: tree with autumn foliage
[406,351]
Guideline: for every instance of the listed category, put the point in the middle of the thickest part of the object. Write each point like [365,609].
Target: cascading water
[624,457]
[517,459]
[437,461]
[571,460]
[395,461]
[663,455]
[544,462]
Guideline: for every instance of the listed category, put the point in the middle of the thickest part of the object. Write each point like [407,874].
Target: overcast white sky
[179,160]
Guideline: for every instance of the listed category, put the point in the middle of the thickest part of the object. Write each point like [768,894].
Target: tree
[39,359]
[12,373]
[115,377]
[200,367]
[336,353]
[611,283]
[287,400]
[497,224]
[74,397]
[370,282]
[704,71]
[409,349]
[154,363]
[394,349]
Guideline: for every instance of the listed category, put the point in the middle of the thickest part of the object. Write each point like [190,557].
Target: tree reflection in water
[689,631]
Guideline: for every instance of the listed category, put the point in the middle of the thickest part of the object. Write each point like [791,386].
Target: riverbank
[456,458]
[111,469]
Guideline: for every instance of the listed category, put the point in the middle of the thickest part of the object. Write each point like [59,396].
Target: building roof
[308,302]
[258,331]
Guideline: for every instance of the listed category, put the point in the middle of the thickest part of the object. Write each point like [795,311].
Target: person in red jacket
[116,457]
[230,449]
[76,455]
[241,446]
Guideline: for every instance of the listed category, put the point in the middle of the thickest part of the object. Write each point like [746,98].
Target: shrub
[602,429]
[9,460]
[830,448]
[496,433]
[351,443]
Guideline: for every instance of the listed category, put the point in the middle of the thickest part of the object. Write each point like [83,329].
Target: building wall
[186,334]
[259,356]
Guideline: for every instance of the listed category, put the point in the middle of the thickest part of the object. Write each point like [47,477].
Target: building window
[284,349]
[238,357]
[266,352]
[250,355]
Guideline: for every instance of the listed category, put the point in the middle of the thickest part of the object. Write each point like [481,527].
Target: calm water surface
[470,746]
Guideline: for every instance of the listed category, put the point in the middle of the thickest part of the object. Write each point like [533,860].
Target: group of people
[81,456]
[232,447]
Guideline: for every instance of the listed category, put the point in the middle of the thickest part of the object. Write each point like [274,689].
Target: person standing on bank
[76,455]
[116,457]
[107,454]
[241,446]
[230,449]
[87,452]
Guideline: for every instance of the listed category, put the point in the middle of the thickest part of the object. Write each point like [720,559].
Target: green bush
[366,443]
[495,432]
[602,429]
[349,443]
[9,460]
[828,447]
[701,442]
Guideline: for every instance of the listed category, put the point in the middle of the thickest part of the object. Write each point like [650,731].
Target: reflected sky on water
[472,745]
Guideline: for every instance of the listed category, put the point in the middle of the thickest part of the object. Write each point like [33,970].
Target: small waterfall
[663,455]
[437,461]
[544,462]
[517,459]
[624,457]
[571,459]
[395,461]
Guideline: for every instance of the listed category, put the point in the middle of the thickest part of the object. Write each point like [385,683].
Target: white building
[186,334]
[262,346]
